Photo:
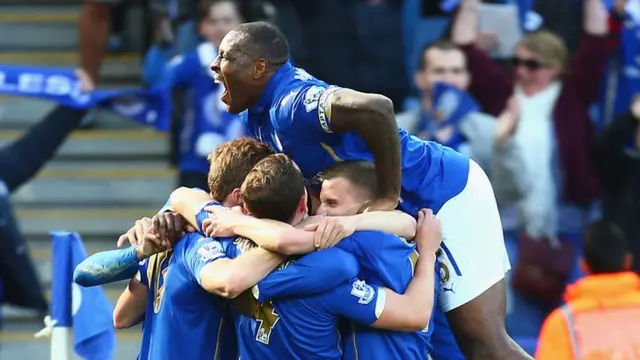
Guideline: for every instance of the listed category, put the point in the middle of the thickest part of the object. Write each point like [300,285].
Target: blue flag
[86,310]
[149,107]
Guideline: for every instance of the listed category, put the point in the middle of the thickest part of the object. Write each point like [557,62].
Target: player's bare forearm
[187,202]
[94,24]
[412,310]
[106,267]
[231,277]
[131,305]
[392,222]
[372,117]
[479,327]
[275,235]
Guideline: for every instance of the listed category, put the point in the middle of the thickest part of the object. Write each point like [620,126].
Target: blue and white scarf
[149,107]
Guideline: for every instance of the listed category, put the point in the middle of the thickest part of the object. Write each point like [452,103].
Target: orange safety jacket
[601,321]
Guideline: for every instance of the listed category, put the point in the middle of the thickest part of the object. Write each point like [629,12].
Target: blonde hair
[547,47]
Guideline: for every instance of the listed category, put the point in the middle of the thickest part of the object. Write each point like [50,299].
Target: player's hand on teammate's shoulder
[135,233]
[383,204]
[329,230]
[169,228]
[222,221]
[429,233]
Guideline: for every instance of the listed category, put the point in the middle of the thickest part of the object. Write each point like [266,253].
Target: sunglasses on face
[530,64]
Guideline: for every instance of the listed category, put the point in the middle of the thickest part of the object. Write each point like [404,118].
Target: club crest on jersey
[362,291]
[445,274]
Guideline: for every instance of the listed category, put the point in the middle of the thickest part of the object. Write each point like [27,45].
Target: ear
[303,205]
[260,68]
[584,267]
[235,197]
[418,80]
[201,28]
[628,261]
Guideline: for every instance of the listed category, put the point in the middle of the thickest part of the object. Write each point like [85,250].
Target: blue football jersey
[151,273]
[385,260]
[189,322]
[293,116]
[297,327]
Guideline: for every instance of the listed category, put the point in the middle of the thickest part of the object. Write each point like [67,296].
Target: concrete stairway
[102,179]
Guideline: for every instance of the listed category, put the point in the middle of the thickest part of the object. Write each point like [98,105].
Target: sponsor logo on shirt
[210,251]
[363,292]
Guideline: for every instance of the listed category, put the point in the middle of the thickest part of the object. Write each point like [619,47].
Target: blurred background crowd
[541,93]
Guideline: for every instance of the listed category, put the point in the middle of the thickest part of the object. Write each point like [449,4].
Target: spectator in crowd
[617,159]
[95,28]
[551,129]
[444,62]
[205,123]
[19,162]
[600,318]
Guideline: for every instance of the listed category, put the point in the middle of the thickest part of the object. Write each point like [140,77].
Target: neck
[426,101]
[533,89]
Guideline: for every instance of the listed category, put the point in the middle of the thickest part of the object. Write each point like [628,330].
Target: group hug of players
[243,271]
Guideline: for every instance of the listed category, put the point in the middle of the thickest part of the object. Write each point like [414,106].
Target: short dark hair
[264,40]
[273,188]
[604,247]
[231,162]
[360,173]
[444,45]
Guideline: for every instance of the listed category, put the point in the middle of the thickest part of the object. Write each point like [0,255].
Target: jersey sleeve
[312,274]
[307,111]
[202,215]
[201,252]
[142,274]
[357,301]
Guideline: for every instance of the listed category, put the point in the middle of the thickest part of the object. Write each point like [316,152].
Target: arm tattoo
[106,267]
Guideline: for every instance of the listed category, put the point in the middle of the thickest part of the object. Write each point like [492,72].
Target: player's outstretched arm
[323,233]
[312,274]
[106,267]
[131,305]
[226,277]
[412,310]
[372,117]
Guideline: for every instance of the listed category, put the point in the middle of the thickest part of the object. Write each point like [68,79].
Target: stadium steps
[100,181]
[18,113]
[120,68]
[92,144]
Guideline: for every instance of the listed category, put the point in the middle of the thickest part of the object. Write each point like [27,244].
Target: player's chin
[234,108]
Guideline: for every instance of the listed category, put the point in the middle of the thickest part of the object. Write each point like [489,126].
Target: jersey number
[267,319]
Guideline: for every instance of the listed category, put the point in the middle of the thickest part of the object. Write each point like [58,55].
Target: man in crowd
[607,298]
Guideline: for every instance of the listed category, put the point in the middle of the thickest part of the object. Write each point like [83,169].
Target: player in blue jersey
[306,328]
[319,125]
[385,259]
[229,166]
